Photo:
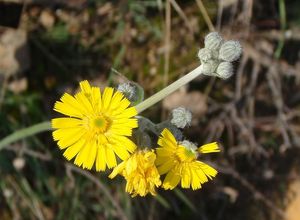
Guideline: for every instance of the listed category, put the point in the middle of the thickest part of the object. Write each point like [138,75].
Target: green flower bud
[204,55]
[213,41]
[225,70]
[181,117]
[230,51]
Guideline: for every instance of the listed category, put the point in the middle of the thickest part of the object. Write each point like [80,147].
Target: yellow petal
[124,142]
[91,156]
[73,150]
[84,102]
[123,104]
[121,151]
[209,148]
[67,136]
[127,113]
[69,106]
[120,130]
[82,155]
[106,97]
[128,122]
[66,122]
[115,102]
[186,177]
[164,153]
[196,182]
[101,158]
[67,109]
[85,86]
[166,167]
[96,99]
[209,171]
[117,170]
[169,136]
[110,158]
[171,180]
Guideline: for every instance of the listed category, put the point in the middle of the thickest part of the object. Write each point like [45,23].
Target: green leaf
[163,201]
[185,200]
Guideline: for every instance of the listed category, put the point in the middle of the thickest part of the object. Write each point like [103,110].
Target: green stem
[25,132]
[168,90]
[46,126]
[282,13]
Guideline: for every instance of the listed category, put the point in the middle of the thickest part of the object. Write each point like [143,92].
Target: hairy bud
[230,51]
[204,55]
[225,70]
[209,67]
[181,117]
[128,90]
[213,41]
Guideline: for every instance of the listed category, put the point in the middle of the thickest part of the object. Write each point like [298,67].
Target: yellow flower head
[96,127]
[140,173]
[179,162]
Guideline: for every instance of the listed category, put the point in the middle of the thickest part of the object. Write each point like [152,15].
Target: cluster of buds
[217,56]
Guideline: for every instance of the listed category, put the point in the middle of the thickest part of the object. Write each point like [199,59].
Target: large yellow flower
[96,128]
[140,173]
[179,162]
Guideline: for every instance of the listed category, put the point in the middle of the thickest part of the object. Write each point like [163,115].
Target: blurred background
[48,46]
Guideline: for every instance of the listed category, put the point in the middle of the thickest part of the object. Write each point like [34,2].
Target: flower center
[189,151]
[100,123]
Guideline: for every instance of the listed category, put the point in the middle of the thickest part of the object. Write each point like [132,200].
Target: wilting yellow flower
[179,162]
[140,173]
[96,127]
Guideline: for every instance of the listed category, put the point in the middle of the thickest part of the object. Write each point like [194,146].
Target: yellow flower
[140,173]
[179,162]
[96,128]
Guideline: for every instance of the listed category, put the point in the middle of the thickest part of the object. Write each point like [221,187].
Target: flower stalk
[169,89]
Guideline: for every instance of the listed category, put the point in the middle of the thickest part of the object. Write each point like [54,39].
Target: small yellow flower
[140,173]
[179,162]
[96,128]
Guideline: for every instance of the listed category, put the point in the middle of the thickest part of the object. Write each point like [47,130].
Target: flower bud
[128,90]
[204,55]
[213,41]
[209,67]
[225,70]
[181,117]
[215,55]
[230,51]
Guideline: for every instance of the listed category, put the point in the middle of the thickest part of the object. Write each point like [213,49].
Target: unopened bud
[181,117]
[204,54]
[209,67]
[225,70]
[213,41]
[128,90]
[230,51]
[215,54]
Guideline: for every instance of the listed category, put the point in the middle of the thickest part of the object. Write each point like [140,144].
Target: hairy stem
[168,90]
[25,132]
